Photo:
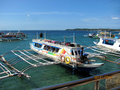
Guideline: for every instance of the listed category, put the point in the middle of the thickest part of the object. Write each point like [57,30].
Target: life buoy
[67,60]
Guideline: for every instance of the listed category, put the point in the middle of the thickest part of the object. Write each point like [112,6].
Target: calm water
[53,74]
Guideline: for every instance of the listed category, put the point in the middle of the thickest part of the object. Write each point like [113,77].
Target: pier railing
[111,80]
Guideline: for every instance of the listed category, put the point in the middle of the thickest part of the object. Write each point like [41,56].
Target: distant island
[92,29]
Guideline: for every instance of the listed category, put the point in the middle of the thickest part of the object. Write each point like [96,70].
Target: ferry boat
[70,54]
[12,36]
[111,41]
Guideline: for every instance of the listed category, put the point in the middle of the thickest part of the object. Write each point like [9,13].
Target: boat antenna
[45,35]
[105,33]
[37,36]
[64,39]
[73,37]
[18,30]
[110,34]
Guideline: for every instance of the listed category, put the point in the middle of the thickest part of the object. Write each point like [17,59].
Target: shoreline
[86,29]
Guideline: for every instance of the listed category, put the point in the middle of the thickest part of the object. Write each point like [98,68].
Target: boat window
[57,49]
[72,52]
[75,52]
[48,48]
[79,52]
[38,45]
[72,45]
[109,42]
[53,49]
[45,47]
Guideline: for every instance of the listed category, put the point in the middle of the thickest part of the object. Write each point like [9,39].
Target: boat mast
[105,33]
[73,37]
[64,39]
[110,34]
[18,30]
[37,35]
[45,35]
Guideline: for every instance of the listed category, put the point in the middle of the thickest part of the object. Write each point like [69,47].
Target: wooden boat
[12,36]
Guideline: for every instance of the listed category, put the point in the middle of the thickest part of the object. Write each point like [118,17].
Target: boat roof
[47,41]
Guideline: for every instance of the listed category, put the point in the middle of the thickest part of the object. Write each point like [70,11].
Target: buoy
[67,60]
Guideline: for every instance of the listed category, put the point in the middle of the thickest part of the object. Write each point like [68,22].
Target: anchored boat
[111,41]
[93,35]
[70,54]
[12,36]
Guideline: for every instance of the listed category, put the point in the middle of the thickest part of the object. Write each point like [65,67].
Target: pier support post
[96,87]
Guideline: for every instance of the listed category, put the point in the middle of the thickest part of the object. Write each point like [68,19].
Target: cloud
[116,18]
[28,15]
[90,19]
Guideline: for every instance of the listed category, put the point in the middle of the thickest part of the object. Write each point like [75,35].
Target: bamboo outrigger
[8,66]
[12,72]
[101,53]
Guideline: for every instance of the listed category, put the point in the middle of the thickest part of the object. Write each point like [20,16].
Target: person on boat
[41,35]
[83,56]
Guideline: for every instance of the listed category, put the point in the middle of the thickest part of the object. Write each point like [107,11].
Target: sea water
[52,74]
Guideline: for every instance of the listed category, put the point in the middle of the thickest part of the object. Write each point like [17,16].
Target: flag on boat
[63,51]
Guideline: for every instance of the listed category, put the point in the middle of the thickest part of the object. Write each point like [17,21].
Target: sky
[59,14]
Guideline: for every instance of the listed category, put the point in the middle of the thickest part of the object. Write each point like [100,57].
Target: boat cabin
[58,50]
[70,54]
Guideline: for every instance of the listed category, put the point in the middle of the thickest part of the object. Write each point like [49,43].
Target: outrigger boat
[70,54]
[110,41]
[93,35]
[12,36]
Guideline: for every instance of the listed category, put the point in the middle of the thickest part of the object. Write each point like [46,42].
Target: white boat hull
[55,58]
[115,46]
[92,65]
